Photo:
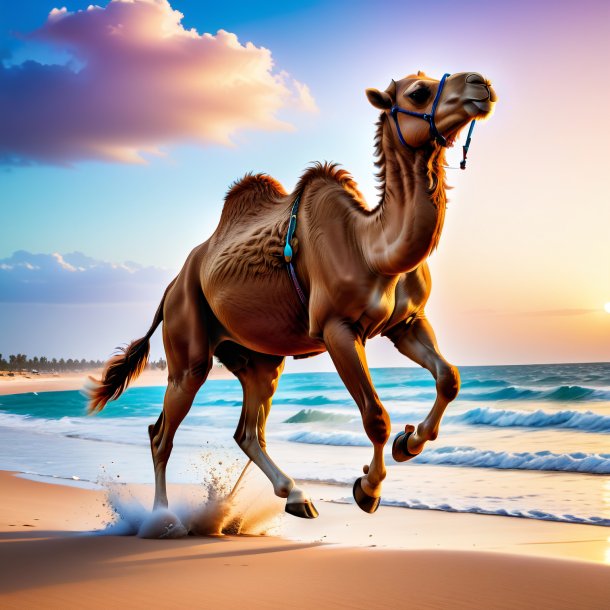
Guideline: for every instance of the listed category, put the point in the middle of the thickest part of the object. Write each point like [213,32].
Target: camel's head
[420,113]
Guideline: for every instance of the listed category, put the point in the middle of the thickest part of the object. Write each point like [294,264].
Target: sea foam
[502,512]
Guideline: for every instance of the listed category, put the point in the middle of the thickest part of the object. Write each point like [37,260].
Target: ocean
[527,441]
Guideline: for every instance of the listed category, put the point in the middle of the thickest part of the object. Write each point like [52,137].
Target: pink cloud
[141,81]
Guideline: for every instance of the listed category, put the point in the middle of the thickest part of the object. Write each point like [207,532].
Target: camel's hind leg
[259,375]
[176,404]
[189,361]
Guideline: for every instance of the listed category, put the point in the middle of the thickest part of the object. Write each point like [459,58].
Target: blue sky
[329,46]
[518,239]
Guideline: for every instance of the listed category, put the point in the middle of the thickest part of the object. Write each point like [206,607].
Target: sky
[123,125]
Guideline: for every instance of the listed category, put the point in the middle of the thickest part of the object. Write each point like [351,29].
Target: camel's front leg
[417,341]
[347,352]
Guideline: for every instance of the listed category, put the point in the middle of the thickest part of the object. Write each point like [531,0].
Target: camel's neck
[407,224]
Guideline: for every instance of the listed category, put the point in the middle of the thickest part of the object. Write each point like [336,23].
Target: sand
[47,561]
[22,383]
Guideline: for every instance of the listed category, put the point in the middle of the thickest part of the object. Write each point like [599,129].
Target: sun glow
[607,307]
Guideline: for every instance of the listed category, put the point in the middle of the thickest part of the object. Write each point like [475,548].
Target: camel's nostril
[475,79]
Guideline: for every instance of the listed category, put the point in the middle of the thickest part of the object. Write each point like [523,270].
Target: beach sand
[455,560]
[22,383]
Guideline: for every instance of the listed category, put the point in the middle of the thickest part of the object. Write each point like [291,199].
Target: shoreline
[23,383]
[50,563]
[342,523]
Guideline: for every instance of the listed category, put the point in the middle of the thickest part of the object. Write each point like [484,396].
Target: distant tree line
[42,364]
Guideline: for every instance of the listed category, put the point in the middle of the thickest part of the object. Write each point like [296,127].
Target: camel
[316,271]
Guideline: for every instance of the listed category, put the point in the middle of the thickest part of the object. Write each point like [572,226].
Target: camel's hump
[332,174]
[248,194]
[251,188]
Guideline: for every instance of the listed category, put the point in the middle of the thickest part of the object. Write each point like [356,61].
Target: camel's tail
[122,368]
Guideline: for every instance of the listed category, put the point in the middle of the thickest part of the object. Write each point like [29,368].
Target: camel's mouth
[485,106]
[478,110]
[481,106]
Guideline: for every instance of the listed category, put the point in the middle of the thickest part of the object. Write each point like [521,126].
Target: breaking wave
[564,393]
[590,463]
[347,439]
[312,415]
[585,421]
[473,390]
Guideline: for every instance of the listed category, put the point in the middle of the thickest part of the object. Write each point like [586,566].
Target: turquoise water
[528,441]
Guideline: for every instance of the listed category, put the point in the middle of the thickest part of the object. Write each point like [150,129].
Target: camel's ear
[379,99]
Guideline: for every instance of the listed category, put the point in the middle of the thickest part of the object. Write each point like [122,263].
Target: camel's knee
[250,440]
[376,423]
[246,439]
[448,382]
[249,433]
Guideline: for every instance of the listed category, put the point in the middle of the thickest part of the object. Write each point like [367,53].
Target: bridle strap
[292,225]
[428,117]
[467,146]
[288,252]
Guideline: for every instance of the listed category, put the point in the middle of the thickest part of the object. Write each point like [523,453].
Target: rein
[429,118]
[288,253]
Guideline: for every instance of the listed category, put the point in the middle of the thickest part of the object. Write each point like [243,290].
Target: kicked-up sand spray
[221,506]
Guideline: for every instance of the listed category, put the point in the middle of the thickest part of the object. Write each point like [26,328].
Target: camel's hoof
[400,451]
[367,503]
[305,509]
[162,523]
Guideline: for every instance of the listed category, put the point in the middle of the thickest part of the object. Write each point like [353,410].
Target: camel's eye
[420,95]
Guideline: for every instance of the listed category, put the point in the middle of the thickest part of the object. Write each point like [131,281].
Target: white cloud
[60,261]
[76,279]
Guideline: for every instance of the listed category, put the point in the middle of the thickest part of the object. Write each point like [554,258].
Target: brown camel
[355,273]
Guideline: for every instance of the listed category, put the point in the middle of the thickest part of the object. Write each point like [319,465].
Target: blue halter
[429,118]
